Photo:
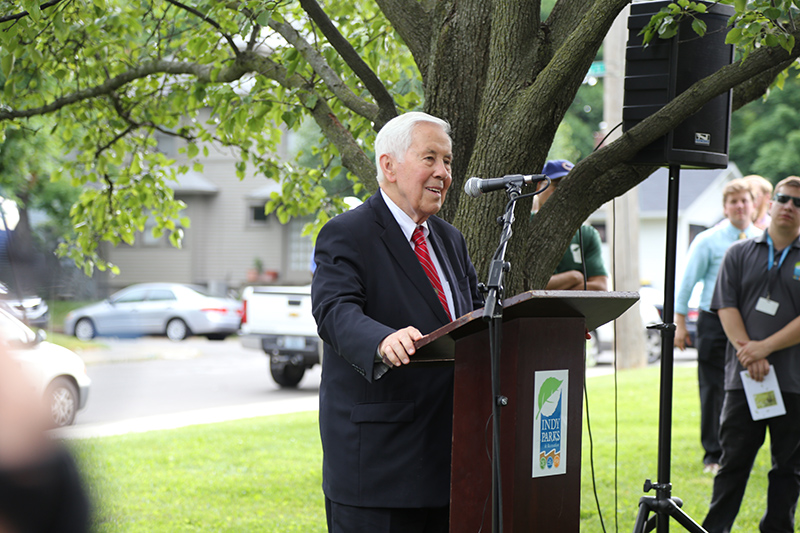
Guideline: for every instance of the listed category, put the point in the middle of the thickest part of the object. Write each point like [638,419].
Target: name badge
[765,305]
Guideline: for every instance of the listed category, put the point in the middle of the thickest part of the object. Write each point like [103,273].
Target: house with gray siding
[229,234]
[699,208]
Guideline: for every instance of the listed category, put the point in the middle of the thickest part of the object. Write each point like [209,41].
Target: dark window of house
[257,214]
[694,230]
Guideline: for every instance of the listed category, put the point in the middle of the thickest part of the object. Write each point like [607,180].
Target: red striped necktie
[421,249]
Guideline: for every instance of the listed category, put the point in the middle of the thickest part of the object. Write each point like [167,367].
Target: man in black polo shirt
[757,297]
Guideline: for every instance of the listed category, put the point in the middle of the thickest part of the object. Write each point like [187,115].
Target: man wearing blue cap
[582,266]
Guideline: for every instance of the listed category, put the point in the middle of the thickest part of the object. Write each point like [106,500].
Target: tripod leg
[683,519]
[645,506]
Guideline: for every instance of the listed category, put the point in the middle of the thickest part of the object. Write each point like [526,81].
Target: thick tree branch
[565,16]
[601,176]
[573,57]
[415,26]
[353,156]
[23,14]
[757,86]
[200,72]
[374,85]
[329,76]
[518,41]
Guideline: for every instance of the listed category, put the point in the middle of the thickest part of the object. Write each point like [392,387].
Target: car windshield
[199,290]
[13,331]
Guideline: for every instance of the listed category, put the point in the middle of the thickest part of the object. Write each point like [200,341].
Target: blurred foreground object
[40,487]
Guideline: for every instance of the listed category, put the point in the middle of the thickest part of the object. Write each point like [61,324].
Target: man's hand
[397,347]
[758,370]
[682,338]
[750,352]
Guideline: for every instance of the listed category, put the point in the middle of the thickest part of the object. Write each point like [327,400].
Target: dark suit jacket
[386,442]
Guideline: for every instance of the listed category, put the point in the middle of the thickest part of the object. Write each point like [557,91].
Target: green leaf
[734,36]
[7,64]
[699,27]
[263,18]
[548,388]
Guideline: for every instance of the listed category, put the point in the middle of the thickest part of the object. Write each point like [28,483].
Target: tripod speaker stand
[662,506]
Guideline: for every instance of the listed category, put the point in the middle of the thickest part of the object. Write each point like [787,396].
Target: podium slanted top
[597,307]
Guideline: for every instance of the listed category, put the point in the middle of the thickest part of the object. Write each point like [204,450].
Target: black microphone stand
[663,505]
[493,313]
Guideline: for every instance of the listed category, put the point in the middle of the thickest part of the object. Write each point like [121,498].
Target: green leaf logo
[547,390]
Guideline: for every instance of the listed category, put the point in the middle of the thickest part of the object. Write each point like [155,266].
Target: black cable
[616,382]
[591,451]
[583,257]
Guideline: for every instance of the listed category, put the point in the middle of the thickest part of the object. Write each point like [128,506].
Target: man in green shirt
[570,273]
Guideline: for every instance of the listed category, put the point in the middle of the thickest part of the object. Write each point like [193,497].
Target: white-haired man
[388,272]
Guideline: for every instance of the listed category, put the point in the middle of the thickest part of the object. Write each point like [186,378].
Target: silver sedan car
[172,309]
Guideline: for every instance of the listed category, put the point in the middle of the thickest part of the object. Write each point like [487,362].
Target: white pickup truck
[278,320]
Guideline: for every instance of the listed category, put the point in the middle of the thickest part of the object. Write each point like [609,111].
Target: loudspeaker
[655,74]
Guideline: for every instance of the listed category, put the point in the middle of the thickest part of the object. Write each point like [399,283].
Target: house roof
[193,183]
[654,191]
[264,193]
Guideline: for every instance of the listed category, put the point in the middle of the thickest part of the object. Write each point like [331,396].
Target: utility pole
[623,213]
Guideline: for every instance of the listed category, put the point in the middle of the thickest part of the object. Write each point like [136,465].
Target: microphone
[477,186]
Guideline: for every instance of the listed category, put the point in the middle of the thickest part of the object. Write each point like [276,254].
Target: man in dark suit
[386,427]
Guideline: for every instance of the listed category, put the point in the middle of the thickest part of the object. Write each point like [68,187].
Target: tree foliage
[113,73]
[765,134]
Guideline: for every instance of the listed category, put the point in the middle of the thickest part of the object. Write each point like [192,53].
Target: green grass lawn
[264,474]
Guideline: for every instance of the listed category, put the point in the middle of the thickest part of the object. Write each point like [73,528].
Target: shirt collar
[407,225]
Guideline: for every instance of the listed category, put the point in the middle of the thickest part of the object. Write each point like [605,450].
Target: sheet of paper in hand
[763,397]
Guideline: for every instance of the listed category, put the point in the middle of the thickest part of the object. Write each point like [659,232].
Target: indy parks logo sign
[550,423]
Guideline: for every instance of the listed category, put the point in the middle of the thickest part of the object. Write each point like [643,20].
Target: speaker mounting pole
[663,505]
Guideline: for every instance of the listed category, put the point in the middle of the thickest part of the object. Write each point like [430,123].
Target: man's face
[418,184]
[739,209]
[786,215]
[548,192]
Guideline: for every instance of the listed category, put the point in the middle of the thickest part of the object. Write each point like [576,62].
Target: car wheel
[84,329]
[287,376]
[62,395]
[653,345]
[216,336]
[177,330]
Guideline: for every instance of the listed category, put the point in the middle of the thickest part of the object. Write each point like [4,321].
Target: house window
[257,215]
[601,229]
[300,246]
[695,230]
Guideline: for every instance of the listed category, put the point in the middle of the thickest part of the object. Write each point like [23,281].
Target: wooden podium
[543,337]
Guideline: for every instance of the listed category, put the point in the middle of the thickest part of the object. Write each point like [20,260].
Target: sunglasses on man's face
[783,198]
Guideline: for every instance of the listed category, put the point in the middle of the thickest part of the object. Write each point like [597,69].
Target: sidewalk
[187,418]
[123,350]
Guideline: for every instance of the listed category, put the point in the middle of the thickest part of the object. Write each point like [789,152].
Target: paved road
[153,383]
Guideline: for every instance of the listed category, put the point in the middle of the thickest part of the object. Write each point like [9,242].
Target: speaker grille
[656,74]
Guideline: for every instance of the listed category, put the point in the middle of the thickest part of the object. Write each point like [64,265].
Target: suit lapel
[401,250]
